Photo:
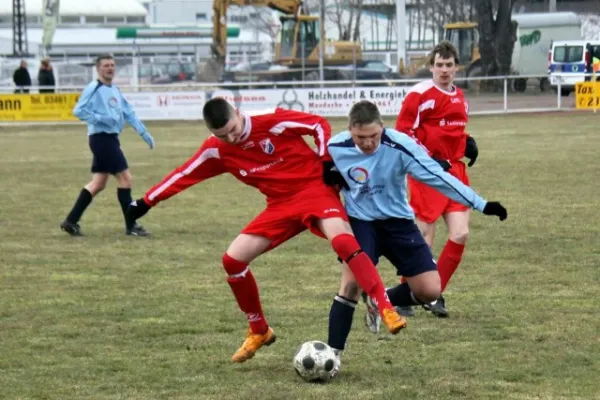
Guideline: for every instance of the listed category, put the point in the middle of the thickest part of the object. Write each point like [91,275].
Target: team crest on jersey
[267,146]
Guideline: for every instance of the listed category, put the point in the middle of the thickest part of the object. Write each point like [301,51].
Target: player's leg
[458,233]
[236,260]
[456,217]
[341,315]
[265,232]
[340,235]
[344,303]
[95,186]
[407,250]
[124,184]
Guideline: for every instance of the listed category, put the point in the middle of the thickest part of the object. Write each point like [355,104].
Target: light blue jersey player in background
[105,110]
[371,164]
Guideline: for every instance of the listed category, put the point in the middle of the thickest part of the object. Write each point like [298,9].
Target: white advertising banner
[154,106]
[332,102]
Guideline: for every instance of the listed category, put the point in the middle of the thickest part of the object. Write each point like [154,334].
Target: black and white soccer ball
[314,361]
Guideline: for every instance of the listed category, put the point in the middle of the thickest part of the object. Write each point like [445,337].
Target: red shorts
[429,204]
[284,219]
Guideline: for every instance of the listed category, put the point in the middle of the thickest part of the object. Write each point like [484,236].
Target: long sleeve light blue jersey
[105,110]
[377,181]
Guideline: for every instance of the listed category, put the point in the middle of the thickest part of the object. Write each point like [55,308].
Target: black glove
[495,208]
[445,164]
[137,209]
[333,177]
[471,150]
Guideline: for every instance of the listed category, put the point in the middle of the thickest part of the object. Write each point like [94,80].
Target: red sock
[449,260]
[365,273]
[244,288]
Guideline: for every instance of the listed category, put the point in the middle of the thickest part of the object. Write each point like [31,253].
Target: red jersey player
[269,153]
[435,112]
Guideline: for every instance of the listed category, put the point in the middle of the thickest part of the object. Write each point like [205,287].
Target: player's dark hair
[445,50]
[103,57]
[217,112]
[363,113]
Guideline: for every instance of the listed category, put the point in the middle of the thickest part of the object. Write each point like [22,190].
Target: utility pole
[322,41]
[401,33]
[19,25]
[552,7]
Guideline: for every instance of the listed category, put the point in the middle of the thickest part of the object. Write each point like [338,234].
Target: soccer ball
[314,361]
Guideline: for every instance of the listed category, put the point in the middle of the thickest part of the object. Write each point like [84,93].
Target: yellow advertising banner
[47,107]
[587,95]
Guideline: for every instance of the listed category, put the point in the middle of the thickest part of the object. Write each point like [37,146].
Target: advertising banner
[333,102]
[38,107]
[153,106]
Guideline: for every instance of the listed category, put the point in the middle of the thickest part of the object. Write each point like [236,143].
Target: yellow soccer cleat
[253,342]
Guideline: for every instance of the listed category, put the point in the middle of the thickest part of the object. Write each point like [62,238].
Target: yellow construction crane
[300,38]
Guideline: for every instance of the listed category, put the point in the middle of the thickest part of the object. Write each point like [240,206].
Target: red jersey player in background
[269,153]
[435,112]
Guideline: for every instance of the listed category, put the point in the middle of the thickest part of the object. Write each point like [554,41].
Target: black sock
[124,195]
[401,296]
[340,321]
[83,201]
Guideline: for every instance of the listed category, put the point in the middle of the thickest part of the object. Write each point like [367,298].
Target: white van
[569,61]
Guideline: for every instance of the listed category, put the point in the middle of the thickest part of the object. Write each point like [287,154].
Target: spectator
[21,78]
[46,77]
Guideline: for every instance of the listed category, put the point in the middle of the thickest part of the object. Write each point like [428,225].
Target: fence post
[354,64]
[505,94]
[558,94]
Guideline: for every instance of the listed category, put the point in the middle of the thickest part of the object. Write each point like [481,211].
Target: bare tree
[497,36]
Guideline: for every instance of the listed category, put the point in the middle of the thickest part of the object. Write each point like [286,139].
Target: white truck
[535,33]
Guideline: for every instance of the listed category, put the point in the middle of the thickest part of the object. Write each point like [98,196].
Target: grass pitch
[114,317]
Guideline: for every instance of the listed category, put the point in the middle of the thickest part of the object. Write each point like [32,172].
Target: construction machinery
[300,41]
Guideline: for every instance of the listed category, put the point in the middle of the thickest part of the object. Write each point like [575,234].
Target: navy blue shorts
[398,240]
[108,156]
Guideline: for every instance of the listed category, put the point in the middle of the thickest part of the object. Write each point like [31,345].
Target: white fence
[492,95]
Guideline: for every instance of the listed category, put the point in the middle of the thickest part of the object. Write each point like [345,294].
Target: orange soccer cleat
[393,321]
[253,342]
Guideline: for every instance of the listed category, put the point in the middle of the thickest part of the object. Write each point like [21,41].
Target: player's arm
[133,120]
[408,118]
[425,169]
[85,107]
[300,123]
[203,165]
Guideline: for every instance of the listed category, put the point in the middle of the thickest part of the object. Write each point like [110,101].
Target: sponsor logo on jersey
[358,175]
[247,145]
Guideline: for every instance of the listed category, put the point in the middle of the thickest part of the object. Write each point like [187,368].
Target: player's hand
[137,209]
[148,139]
[471,150]
[333,177]
[445,164]
[495,208]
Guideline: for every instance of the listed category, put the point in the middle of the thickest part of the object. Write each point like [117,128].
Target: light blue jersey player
[371,163]
[104,109]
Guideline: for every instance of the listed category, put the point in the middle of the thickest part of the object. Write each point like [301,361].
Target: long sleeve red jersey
[273,157]
[437,118]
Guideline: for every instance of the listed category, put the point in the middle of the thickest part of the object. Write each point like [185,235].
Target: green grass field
[114,317]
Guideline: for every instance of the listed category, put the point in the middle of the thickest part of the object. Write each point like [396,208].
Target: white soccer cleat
[372,318]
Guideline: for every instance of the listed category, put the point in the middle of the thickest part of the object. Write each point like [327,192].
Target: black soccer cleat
[437,308]
[137,230]
[71,228]
[405,311]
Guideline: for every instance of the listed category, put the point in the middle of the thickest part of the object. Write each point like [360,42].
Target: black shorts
[398,240]
[108,156]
